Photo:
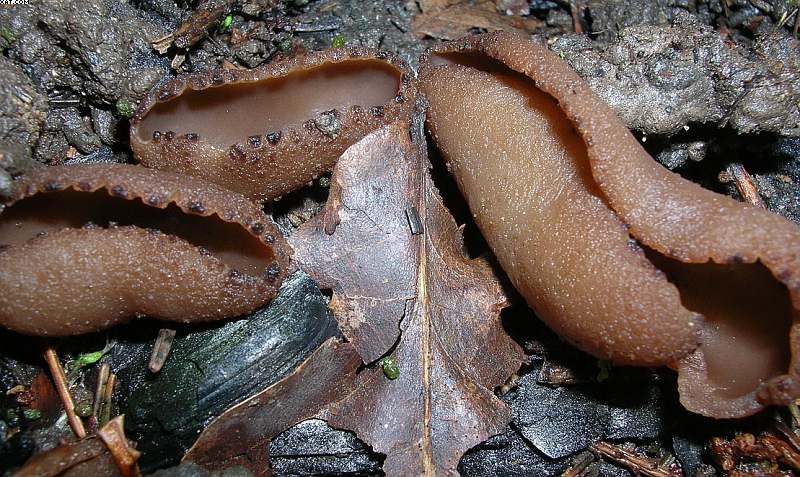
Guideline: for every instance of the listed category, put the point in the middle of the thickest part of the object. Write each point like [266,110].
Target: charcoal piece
[210,369]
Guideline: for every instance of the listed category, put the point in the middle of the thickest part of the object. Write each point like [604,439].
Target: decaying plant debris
[446,307]
[694,80]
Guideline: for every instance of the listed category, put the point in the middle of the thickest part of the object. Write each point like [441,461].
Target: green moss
[284,44]
[125,108]
[32,414]
[338,41]
[7,35]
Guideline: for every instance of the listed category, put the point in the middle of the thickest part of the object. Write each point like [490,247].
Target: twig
[749,448]
[108,393]
[762,5]
[99,392]
[637,465]
[125,456]
[744,184]
[576,18]
[207,15]
[796,22]
[790,436]
[786,17]
[60,380]
[161,349]
[795,412]
[583,461]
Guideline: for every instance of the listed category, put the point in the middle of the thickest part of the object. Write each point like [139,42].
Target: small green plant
[226,23]
[390,368]
[87,359]
[338,41]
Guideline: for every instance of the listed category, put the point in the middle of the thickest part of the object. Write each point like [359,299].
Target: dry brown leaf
[447,307]
[449,19]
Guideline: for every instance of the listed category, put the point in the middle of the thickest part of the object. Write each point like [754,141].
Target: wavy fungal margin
[267,131]
[621,257]
[85,247]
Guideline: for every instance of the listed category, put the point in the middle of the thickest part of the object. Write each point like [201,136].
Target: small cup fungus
[621,257]
[267,131]
[87,246]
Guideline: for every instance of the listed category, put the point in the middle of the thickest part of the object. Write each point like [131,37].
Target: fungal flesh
[85,247]
[618,255]
[267,131]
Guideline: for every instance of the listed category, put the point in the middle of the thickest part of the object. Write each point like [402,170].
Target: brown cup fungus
[621,257]
[270,130]
[85,247]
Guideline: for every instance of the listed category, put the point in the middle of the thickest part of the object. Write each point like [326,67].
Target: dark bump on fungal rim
[191,136]
[52,186]
[255,141]
[165,94]
[377,111]
[204,251]
[736,259]
[156,136]
[399,98]
[257,228]
[217,77]
[382,55]
[197,207]
[274,137]
[154,200]
[269,238]
[236,152]
[170,135]
[119,191]
[273,271]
